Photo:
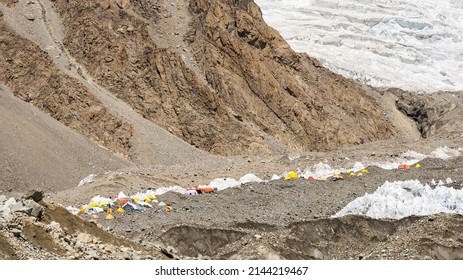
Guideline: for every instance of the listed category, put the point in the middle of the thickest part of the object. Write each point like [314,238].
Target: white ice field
[415,45]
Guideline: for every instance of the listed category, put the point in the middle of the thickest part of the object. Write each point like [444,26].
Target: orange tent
[205,189]
[403,166]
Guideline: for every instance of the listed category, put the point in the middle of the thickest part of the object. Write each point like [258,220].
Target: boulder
[84,237]
[35,195]
[16,232]
[33,208]
[55,226]
[30,16]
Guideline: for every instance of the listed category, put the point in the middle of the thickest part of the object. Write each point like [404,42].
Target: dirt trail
[171,31]
[150,144]
[407,130]
[405,127]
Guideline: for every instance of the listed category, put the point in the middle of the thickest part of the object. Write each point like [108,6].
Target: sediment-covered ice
[396,200]
[410,44]
[409,157]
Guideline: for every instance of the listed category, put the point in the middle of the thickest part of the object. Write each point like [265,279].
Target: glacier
[415,45]
[400,199]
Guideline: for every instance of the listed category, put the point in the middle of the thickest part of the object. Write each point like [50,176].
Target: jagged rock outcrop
[32,76]
[244,91]
[435,115]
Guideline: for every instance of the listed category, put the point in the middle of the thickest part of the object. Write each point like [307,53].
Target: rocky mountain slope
[36,151]
[242,77]
[210,72]
[31,75]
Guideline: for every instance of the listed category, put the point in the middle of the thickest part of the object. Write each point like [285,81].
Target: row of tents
[147,200]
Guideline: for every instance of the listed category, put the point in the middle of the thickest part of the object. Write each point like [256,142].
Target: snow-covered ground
[415,45]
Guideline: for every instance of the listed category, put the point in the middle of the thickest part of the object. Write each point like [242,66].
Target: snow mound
[319,170]
[225,183]
[164,190]
[401,199]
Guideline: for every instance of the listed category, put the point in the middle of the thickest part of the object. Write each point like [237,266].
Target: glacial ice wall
[397,200]
[415,45]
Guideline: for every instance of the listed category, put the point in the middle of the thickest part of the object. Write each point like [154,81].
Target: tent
[129,206]
[291,175]
[205,189]
[191,192]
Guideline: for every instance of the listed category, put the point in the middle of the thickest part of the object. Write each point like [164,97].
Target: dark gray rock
[35,195]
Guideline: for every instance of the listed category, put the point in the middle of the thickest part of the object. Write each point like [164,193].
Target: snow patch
[87,180]
[414,155]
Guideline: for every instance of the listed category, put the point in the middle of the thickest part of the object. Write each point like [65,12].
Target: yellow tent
[291,175]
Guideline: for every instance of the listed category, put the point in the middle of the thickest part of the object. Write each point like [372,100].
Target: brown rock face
[287,95]
[213,73]
[31,76]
